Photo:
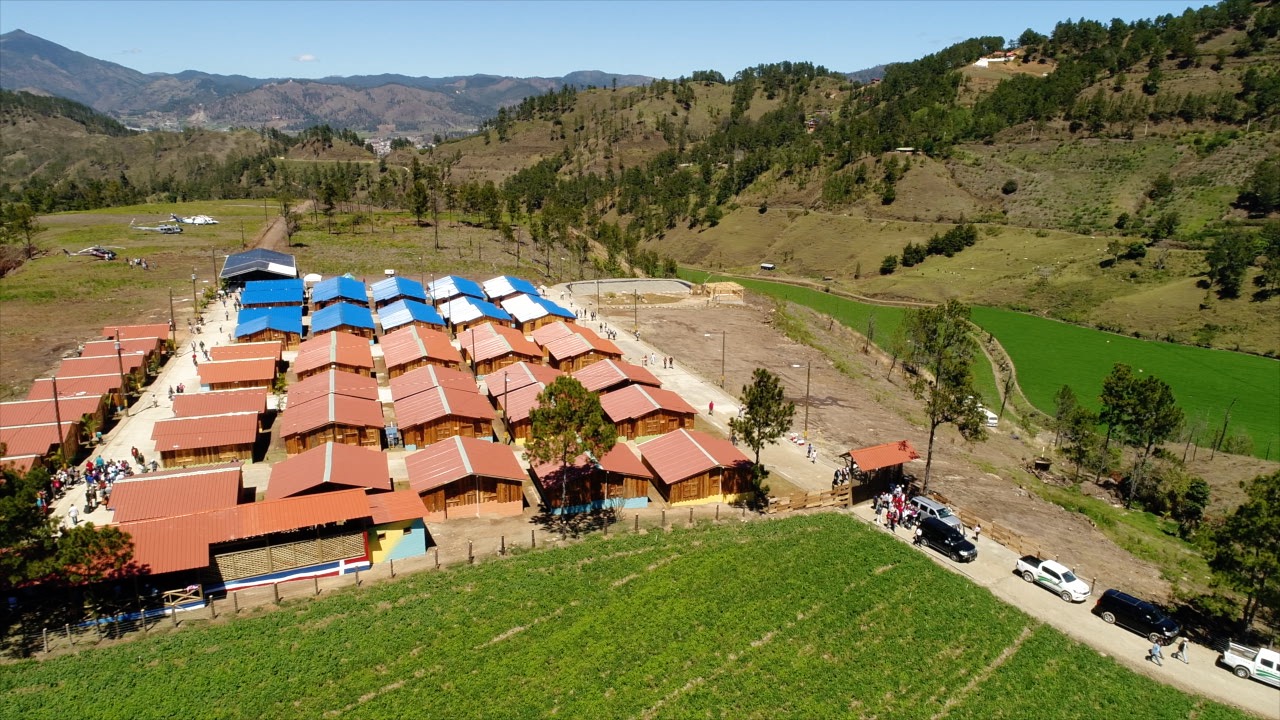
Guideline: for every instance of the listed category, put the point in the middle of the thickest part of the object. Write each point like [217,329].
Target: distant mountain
[867,75]
[392,103]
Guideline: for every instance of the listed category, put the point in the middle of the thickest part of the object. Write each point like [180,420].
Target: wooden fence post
[690,517]
[663,523]
[357,578]
[502,545]
[533,540]
[315,583]
[392,564]
[437,549]
[235,603]
[275,592]
[637,530]
[471,558]
[44,635]
[213,613]
[70,639]
[717,512]
[173,613]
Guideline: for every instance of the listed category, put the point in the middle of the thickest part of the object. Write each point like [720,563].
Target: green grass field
[1049,354]
[809,617]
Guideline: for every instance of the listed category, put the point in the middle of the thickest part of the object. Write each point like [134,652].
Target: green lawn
[808,617]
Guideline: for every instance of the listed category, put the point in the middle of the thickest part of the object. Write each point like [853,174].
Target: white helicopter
[161,228]
[193,220]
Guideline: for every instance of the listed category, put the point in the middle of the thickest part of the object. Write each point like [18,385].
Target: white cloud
[305,57]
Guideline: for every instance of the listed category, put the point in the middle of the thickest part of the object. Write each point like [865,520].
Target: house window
[382,536]
[408,531]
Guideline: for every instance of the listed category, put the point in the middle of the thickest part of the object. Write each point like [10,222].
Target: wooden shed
[691,467]
[442,412]
[334,351]
[618,480]
[413,347]
[640,410]
[466,477]
[206,440]
[333,418]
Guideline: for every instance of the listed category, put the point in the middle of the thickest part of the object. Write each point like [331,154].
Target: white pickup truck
[1246,662]
[1055,576]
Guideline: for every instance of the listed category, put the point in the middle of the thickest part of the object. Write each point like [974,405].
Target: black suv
[1140,616]
[947,540]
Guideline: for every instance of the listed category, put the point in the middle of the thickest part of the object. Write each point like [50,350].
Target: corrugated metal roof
[143,497]
[133,332]
[229,371]
[459,458]
[635,401]
[525,308]
[285,319]
[88,385]
[275,285]
[259,259]
[440,402]
[331,410]
[403,312]
[606,374]
[505,286]
[468,309]
[396,506]
[342,286]
[682,454]
[451,286]
[341,314]
[33,412]
[19,463]
[220,402]
[556,330]
[102,348]
[518,375]
[332,382]
[241,351]
[333,347]
[882,456]
[103,365]
[425,378]
[516,404]
[496,341]
[621,460]
[206,431]
[35,439]
[331,465]
[395,287]
[266,292]
[414,343]
[571,346]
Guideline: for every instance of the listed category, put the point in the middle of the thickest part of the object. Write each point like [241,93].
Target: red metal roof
[170,494]
[440,402]
[220,402]
[19,463]
[882,456]
[128,332]
[571,346]
[229,371]
[635,401]
[517,375]
[495,341]
[333,382]
[333,348]
[413,343]
[556,330]
[182,543]
[243,351]
[431,376]
[620,460]
[101,365]
[99,348]
[516,404]
[331,410]
[682,454]
[34,412]
[89,385]
[460,458]
[607,374]
[36,439]
[209,431]
[395,506]
[331,465]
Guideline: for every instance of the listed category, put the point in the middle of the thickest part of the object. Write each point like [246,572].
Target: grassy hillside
[823,617]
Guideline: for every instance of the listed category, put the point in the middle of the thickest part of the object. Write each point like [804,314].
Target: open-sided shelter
[441,412]
[617,480]
[331,382]
[531,312]
[640,410]
[171,493]
[431,376]
[878,466]
[691,467]
[403,313]
[344,317]
[333,418]
[206,440]
[258,264]
[234,374]
[463,313]
[281,324]
[502,287]
[608,375]
[329,467]
[396,288]
[333,351]
[272,293]
[341,288]
[443,289]
[491,347]
[410,348]
[466,477]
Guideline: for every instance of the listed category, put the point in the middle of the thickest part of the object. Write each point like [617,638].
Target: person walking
[1181,652]
[711,408]
[74,514]
[1155,656]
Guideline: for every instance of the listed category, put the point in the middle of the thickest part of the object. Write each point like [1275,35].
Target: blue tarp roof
[395,287]
[341,287]
[403,312]
[265,292]
[507,285]
[260,260]
[252,320]
[338,315]
[451,286]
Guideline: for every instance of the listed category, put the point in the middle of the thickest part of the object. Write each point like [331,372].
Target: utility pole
[57,418]
[808,375]
[723,342]
[173,326]
[635,309]
[124,389]
[195,305]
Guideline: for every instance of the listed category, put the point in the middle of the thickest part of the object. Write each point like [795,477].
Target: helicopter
[163,228]
[96,251]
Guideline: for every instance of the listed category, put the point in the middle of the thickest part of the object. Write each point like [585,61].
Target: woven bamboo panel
[292,555]
[244,563]
[342,546]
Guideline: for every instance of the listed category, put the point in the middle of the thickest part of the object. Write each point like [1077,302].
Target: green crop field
[809,617]
[1049,354]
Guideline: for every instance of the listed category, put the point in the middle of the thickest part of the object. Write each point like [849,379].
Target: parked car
[933,509]
[1055,576]
[947,540]
[1262,665]
[1140,616]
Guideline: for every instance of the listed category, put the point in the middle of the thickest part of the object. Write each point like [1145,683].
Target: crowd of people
[893,505]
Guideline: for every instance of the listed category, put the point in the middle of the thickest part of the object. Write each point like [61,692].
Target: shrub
[1010,187]
[889,264]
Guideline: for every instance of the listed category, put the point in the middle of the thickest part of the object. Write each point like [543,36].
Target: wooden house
[440,412]
[132,365]
[608,375]
[342,288]
[466,477]
[272,293]
[105,386]
[640,410]
[332,418]
[206,440]
[343,317]
[332,382]
[282,324]
[464,313]
[394,289]
[91,408]
[618,480]
[410,348]
[491,347]
[500,288]
[334,351]
[577,350]
[691,467]
[516,406]
[431,376]
[530,312]
[152,349]
[235,374]
[329,467]
[405,313]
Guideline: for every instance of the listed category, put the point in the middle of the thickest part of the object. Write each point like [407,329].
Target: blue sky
[311,39]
